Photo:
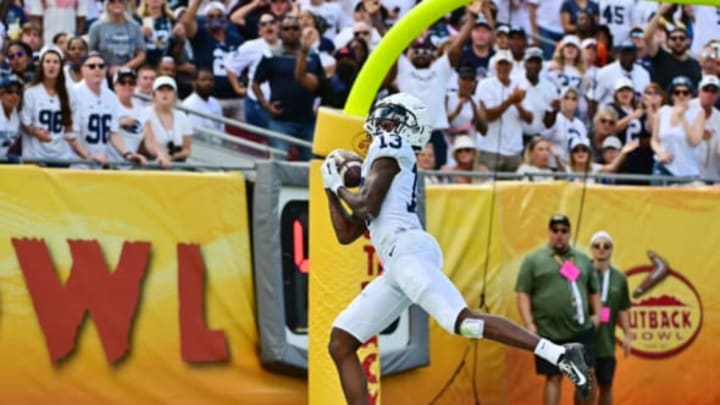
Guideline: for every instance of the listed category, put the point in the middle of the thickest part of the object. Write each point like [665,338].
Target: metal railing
[91,164]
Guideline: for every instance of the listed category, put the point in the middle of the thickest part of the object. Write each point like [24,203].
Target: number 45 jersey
[97,117]
[397,213]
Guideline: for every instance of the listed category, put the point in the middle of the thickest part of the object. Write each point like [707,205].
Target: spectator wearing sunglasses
[709,147]
[11,89]
[677,133]
[615,301]
[98,112]
[581,160]
[20,60]
[213,41]
[673,60]
[556,287]
[292,95]
[117,37]
[368,25]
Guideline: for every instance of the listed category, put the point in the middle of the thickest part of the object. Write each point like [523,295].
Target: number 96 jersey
[97,116]
[397,213]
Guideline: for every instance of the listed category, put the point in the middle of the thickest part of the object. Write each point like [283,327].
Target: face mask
[217,24]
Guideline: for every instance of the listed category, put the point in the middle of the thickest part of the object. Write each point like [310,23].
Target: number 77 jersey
[397,212]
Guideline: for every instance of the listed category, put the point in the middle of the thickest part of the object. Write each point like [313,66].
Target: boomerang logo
[666,313]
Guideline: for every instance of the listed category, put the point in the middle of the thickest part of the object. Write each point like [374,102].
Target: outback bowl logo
[360,144]
[666,313]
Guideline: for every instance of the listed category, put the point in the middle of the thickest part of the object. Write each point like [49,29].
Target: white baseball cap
[463,142]
[164,81]
[503,55]
[709,80]
[578,141]
[622,83]
[588,42]
[612,142]
[600,234]
[570,40]
[214,5]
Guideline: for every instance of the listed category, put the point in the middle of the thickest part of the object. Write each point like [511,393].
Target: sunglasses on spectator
[363,33]
[651,93]
[465,150]
[604,246]
[214,16]
[710,89]
[581,149]
[423,51]
[267,22]
[93,66]
[116,1]
[18,54]
[126,82]
[16,92]
[681,93]
[677,38]
[562,230]
[708,55]
[607,121]
[295,28]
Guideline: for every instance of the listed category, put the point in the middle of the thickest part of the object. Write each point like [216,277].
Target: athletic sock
[549,351]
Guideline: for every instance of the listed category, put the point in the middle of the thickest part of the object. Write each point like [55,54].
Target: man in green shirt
[615,300]
[556,289]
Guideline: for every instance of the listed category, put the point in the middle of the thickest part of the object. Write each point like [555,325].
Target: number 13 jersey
[397,212]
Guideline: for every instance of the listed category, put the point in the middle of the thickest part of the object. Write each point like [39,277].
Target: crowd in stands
[526,86]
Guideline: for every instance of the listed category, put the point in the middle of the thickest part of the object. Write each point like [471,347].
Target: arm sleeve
[184,127]
[524,281]
[262,73]
[27,114]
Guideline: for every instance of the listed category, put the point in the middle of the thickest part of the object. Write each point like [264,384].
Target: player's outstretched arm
[366,203]
[347,227]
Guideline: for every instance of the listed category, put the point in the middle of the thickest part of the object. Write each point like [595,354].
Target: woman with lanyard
[615,306]
[49,115]
[167,131]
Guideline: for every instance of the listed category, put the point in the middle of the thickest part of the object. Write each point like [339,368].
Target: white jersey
[608,75]
[9,130]
[98,118]
[175,137]
[620,16]
[397,213]
[562,134]
[133,134]
[41,110]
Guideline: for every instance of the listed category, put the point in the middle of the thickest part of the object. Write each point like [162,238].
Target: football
[349,166]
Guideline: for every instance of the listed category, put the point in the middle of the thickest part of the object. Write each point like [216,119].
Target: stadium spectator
[572,10]
[627,108]
[541,96]
[368,25]
[49,114]
[677,133]
[77,48]
[567,126]
[556,288]
[623,68]
[502,102]
[709,147]
[603,126]
[514,13]
[31,34]
[464,113]
[56,16]
[97,114]
[60,40]
[331,12]
[502,42]
[517,40]
[247,57]
[464,153]
[167,67]
[11,89]
[168,134]
[422,74]
[637,36]
[589,49]
[131,115]
[213,41]
[676,60]
[581,160]
[117,37]
[709,60]
[202,100]
[290,105]
[158,26]
[619,16]
[245,14]
[615,300]
[145,78]
[426,161]
[314,39]
[19,56]
[536,162]
[546,24]
[336,89]
[567,69]
[480,49]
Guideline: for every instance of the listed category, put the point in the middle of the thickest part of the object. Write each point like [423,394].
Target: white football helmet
[401,114]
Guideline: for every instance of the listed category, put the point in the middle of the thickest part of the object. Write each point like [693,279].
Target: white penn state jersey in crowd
[133,134]
[563,132]
[608,75]
[620,16]
[41,110]
[98,118]
[398,209]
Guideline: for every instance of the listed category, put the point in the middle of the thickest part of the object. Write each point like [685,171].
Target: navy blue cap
[10,80]
[627,45]
[681,81]
[517,31]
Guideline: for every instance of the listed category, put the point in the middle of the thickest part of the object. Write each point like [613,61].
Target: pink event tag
[569,271]
[605,314]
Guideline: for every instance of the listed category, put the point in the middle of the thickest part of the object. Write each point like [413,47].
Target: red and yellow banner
[129,287]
